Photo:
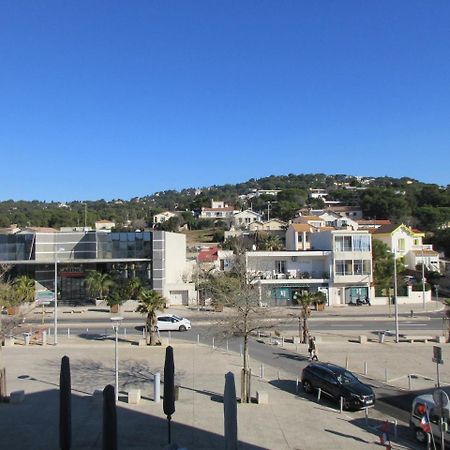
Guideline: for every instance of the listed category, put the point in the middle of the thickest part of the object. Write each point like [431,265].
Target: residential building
[339,263]
[297,236]
[243,219]
[104,225]
[372,224]
[163,217]
[268,225]
[318,193]
[218,210]
[158,258]
[408,244]
[314,221]
[213,258]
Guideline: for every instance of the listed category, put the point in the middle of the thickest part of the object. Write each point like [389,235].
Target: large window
[361,267]
[355,243]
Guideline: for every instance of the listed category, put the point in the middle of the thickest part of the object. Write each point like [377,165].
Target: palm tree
[24,288]
[133,288]
[305,299]
[98,284]
[149,302]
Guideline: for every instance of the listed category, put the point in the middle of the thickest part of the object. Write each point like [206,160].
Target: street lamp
[423,279]
[116,324]
[397,340]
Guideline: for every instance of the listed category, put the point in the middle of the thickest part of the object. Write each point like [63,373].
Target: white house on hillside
[243,219]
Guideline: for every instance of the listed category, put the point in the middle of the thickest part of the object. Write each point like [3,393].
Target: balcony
[289,275]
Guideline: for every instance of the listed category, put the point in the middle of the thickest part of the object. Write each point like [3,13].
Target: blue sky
[117,99]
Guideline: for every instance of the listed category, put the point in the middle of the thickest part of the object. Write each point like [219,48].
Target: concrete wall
[415,297]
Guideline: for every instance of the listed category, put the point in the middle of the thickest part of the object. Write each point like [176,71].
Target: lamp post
[423,279]
[55,326]
[395,298]
[116,324]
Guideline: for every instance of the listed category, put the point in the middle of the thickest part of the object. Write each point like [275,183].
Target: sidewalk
[289,421]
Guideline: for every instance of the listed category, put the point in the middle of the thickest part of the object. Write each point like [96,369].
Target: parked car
[171,322]
[337,382]
[425,416]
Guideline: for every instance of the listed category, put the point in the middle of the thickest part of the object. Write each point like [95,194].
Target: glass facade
[354,243]
[16,247]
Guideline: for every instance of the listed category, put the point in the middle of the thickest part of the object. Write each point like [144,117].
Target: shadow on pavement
[32,424]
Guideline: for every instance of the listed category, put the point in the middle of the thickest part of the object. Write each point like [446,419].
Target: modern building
[158,258]
[339,264]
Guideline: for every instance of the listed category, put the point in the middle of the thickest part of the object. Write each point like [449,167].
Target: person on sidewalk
[312,349]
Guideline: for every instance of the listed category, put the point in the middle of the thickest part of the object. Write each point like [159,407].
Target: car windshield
[346,378]
[177,317]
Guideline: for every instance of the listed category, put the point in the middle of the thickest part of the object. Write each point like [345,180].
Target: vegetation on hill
[425,206]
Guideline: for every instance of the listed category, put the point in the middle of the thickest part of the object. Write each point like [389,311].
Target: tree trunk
[153,330]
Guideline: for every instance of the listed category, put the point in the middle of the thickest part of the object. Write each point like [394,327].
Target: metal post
[56,302]
[346,362]
[437,375]
[261,372]
[116,356]
[395,298]
[365,368]
[319,393]
[213,344]
[341,403]
[366,414]
[198,339]
[423,279]
[157,387]
[395,428]
[143,332]
[227,345]
[124,331]
[170,335]
[296,384]
[240,350]
[68,333]
[409,382]
[282,341]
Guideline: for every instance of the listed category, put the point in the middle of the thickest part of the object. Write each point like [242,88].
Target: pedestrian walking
[312,349]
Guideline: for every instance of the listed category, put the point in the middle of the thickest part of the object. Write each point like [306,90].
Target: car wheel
[307,387]
[182,328]
[421,436]
[347,404]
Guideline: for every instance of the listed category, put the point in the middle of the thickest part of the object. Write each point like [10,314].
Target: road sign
[437,355]
[440,397]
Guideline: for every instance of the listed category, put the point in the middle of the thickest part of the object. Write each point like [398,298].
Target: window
[361,243]
[280,266]
[344,267]
[343,244]
[357,267]
[401,244]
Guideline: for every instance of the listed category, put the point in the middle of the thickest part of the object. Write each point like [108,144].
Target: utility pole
[395,298]
[423,279]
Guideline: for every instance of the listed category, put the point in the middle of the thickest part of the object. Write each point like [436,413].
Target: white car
[171,322]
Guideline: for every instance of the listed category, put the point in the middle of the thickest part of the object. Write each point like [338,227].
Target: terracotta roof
[344,208]
[386,229]
[374,222]
[104,221]
[311,218]
[301,227]
[326,228]
[208,254]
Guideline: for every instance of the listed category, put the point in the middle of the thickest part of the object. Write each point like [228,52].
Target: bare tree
[242,296]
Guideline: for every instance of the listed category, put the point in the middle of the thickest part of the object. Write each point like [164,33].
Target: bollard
[341,403]
[409,382]
[170,335]
[296,384]
[87,330]
[240,350]
[259,333]
[198,339]
[213,344]
[346,362]
[157,387]
[395,428]
[68,333]
[319,393]
[366,414]
[44,338]
[143,332]
[124,331]
[227,345]
[412,314]
[282,341]
[386,374]
[365,368]
[261,372]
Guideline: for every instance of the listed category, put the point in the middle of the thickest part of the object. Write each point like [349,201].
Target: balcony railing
[288,275]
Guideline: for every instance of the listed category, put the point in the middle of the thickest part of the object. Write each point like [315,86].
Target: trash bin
[381,335]
[27,338]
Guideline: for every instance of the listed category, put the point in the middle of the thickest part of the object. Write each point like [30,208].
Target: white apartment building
[339,264]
